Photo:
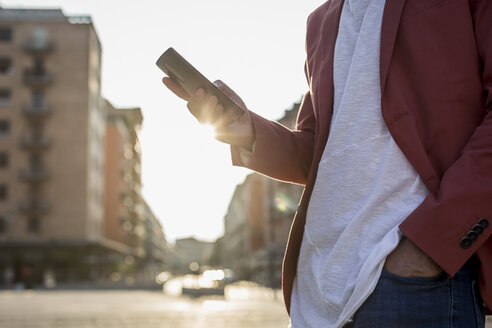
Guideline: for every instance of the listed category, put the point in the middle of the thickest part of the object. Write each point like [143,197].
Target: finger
[202,106]
[195,102]
[209,109]
[229,92]
[217,119]
[175,88]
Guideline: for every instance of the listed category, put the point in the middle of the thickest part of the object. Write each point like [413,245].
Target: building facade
[70,204]
[124,210]
[129,222]
[190,254]
[51,126]
[158,255]
[257,224]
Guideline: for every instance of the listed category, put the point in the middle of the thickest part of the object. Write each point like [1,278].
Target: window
[37,98]
[4,97]
[33,224]
[4,127]
[34,191]
[39,35]
[5,66]
[35,161]
[4,159]
[3,192]
[36,130]
[38,66]
[5,221]
[3,224]
[5,34]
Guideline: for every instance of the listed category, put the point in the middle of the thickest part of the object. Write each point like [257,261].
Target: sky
[257,47]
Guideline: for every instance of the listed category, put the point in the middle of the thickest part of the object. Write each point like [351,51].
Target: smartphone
[190,79]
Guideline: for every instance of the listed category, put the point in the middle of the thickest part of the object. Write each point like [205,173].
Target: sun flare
[206,131]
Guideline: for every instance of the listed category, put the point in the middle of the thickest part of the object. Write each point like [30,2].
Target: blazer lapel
[325,89]
[391,20]
[324,108]
[389,29]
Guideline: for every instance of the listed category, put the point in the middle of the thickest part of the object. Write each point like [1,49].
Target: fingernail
[200,92]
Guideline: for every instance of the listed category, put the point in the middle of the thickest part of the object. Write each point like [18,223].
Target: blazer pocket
[416,7]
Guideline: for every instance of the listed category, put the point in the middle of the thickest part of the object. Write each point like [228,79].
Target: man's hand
[407,260]
[207,110]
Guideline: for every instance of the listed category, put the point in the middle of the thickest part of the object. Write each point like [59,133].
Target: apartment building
[51,151]
[158,256]
[124,211]
[191,254]
[257,224]
[61,214]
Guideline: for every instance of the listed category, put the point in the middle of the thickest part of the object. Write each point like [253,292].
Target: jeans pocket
[479,306]
[439,278]
[413,302]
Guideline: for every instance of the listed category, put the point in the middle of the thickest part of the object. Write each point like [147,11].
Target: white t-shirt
[364,189]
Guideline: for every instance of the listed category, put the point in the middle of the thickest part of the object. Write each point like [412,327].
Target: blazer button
[466,242]
[472,235]
[478,229]
[483,222]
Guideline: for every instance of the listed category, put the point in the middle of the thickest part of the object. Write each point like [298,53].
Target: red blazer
[436,85]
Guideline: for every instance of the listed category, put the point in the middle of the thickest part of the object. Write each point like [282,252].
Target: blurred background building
[123,205]
[191,255]
[71,208]
[158,253]
[257,224]
[70,202]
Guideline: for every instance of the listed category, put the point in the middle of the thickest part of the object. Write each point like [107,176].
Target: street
[136,309]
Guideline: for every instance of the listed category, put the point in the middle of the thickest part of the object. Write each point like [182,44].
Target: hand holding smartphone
[233,123]
[190,79]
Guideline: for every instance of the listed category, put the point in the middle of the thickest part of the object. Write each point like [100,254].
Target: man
[394,147]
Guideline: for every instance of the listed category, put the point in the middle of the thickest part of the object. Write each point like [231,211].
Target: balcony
[34,207]
[36,47]
[36,111]
[37,78]
[35,174]
[35,143]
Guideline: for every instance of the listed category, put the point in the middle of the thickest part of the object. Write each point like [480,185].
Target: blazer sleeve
[279,152]
[453,224]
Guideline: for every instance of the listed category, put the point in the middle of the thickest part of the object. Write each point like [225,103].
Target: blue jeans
[430,302]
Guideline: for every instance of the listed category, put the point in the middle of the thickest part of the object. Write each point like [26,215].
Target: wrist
[240,133]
